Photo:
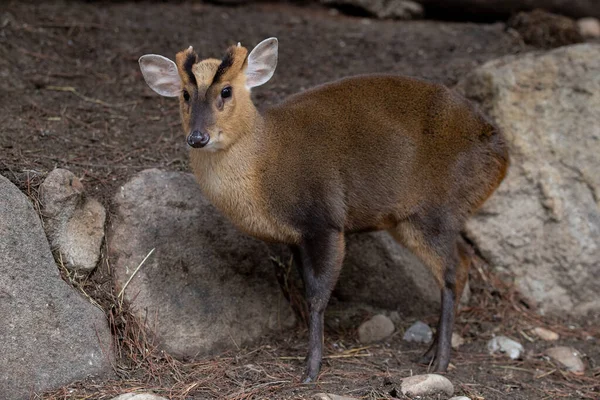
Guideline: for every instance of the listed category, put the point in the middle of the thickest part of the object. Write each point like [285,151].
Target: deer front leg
[321,255]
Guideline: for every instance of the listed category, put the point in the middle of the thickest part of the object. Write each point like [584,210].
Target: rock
[50,335]
[418,332]
[383,9]
[568,357]
[503,344]
[545,334]
[376,266]
[460,398]
[486,10]
[543,224]
[138,396]
[457,340]
[429,384]
[589,27]
[543,29]
[327,396]
[377,328]
[206,286]
[74,224]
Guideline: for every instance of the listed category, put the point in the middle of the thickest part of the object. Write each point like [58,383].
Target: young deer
[364,153]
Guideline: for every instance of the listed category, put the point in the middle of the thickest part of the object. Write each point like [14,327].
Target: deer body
[363,153]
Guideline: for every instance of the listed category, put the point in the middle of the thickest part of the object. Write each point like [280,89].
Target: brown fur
[363,153]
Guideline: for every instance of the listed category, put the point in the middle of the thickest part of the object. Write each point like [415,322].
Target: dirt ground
[72,96]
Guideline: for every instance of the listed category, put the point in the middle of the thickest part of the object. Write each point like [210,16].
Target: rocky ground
[73,97]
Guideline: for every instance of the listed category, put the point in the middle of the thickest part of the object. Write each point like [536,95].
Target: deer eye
[226,92]
[186,95]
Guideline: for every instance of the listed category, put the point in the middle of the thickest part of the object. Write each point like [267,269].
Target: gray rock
[328,396]
[206,286]
[377,328]
[428,384]
[380,272]
[502,344]
[138,396]
[568,357]
[384,9]
[418,332]
[545,334]
[543,224]
[50,335]
[74,223]
[460,398]
[589,27]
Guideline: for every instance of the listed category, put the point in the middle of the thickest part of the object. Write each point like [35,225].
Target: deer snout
[198,139]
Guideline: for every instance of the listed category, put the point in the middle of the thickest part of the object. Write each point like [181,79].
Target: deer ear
[261,63]
[161,75]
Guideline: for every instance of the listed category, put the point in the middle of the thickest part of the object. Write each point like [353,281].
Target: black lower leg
[444,333]
[321,258]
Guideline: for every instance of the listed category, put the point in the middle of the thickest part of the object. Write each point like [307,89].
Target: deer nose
[198,139]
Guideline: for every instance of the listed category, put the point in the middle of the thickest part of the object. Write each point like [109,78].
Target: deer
[363,153]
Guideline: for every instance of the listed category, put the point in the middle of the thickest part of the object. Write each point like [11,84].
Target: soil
[72,96]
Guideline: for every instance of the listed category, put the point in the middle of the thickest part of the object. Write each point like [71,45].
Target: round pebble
[503,344]
[589,27]
[421,385]
[419,332]
[377,328]
[545,334]
[568,357]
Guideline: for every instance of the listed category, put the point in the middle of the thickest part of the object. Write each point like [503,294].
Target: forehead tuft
[205,71]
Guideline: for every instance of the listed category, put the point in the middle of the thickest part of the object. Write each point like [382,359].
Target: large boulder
[380,272]
[74,222]
[487,9]
[384,9]
[543,224]
[207,286]
[50,335]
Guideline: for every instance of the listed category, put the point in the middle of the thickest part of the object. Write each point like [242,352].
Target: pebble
[138,396]
[567,357]
[419,332]
[589,27]
[503,344]
[377,328]
[457,340]
[545,334]
[328,396]
[420,385]
[460,398]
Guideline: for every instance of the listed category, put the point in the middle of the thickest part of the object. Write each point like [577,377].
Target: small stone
[503,344]
[567,357]
[589,27]
[460,398]
[545,334]
[457,340]
[377,328]
[428,384]
[419,332]
[328,396]
[74,223]
[138,396]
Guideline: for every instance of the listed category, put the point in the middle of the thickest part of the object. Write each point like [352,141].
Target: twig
[134,272]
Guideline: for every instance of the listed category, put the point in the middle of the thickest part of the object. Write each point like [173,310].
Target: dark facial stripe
[189,62]
[226,63]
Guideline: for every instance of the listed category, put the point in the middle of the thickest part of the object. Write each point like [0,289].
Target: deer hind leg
[435,243]
[319,259]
